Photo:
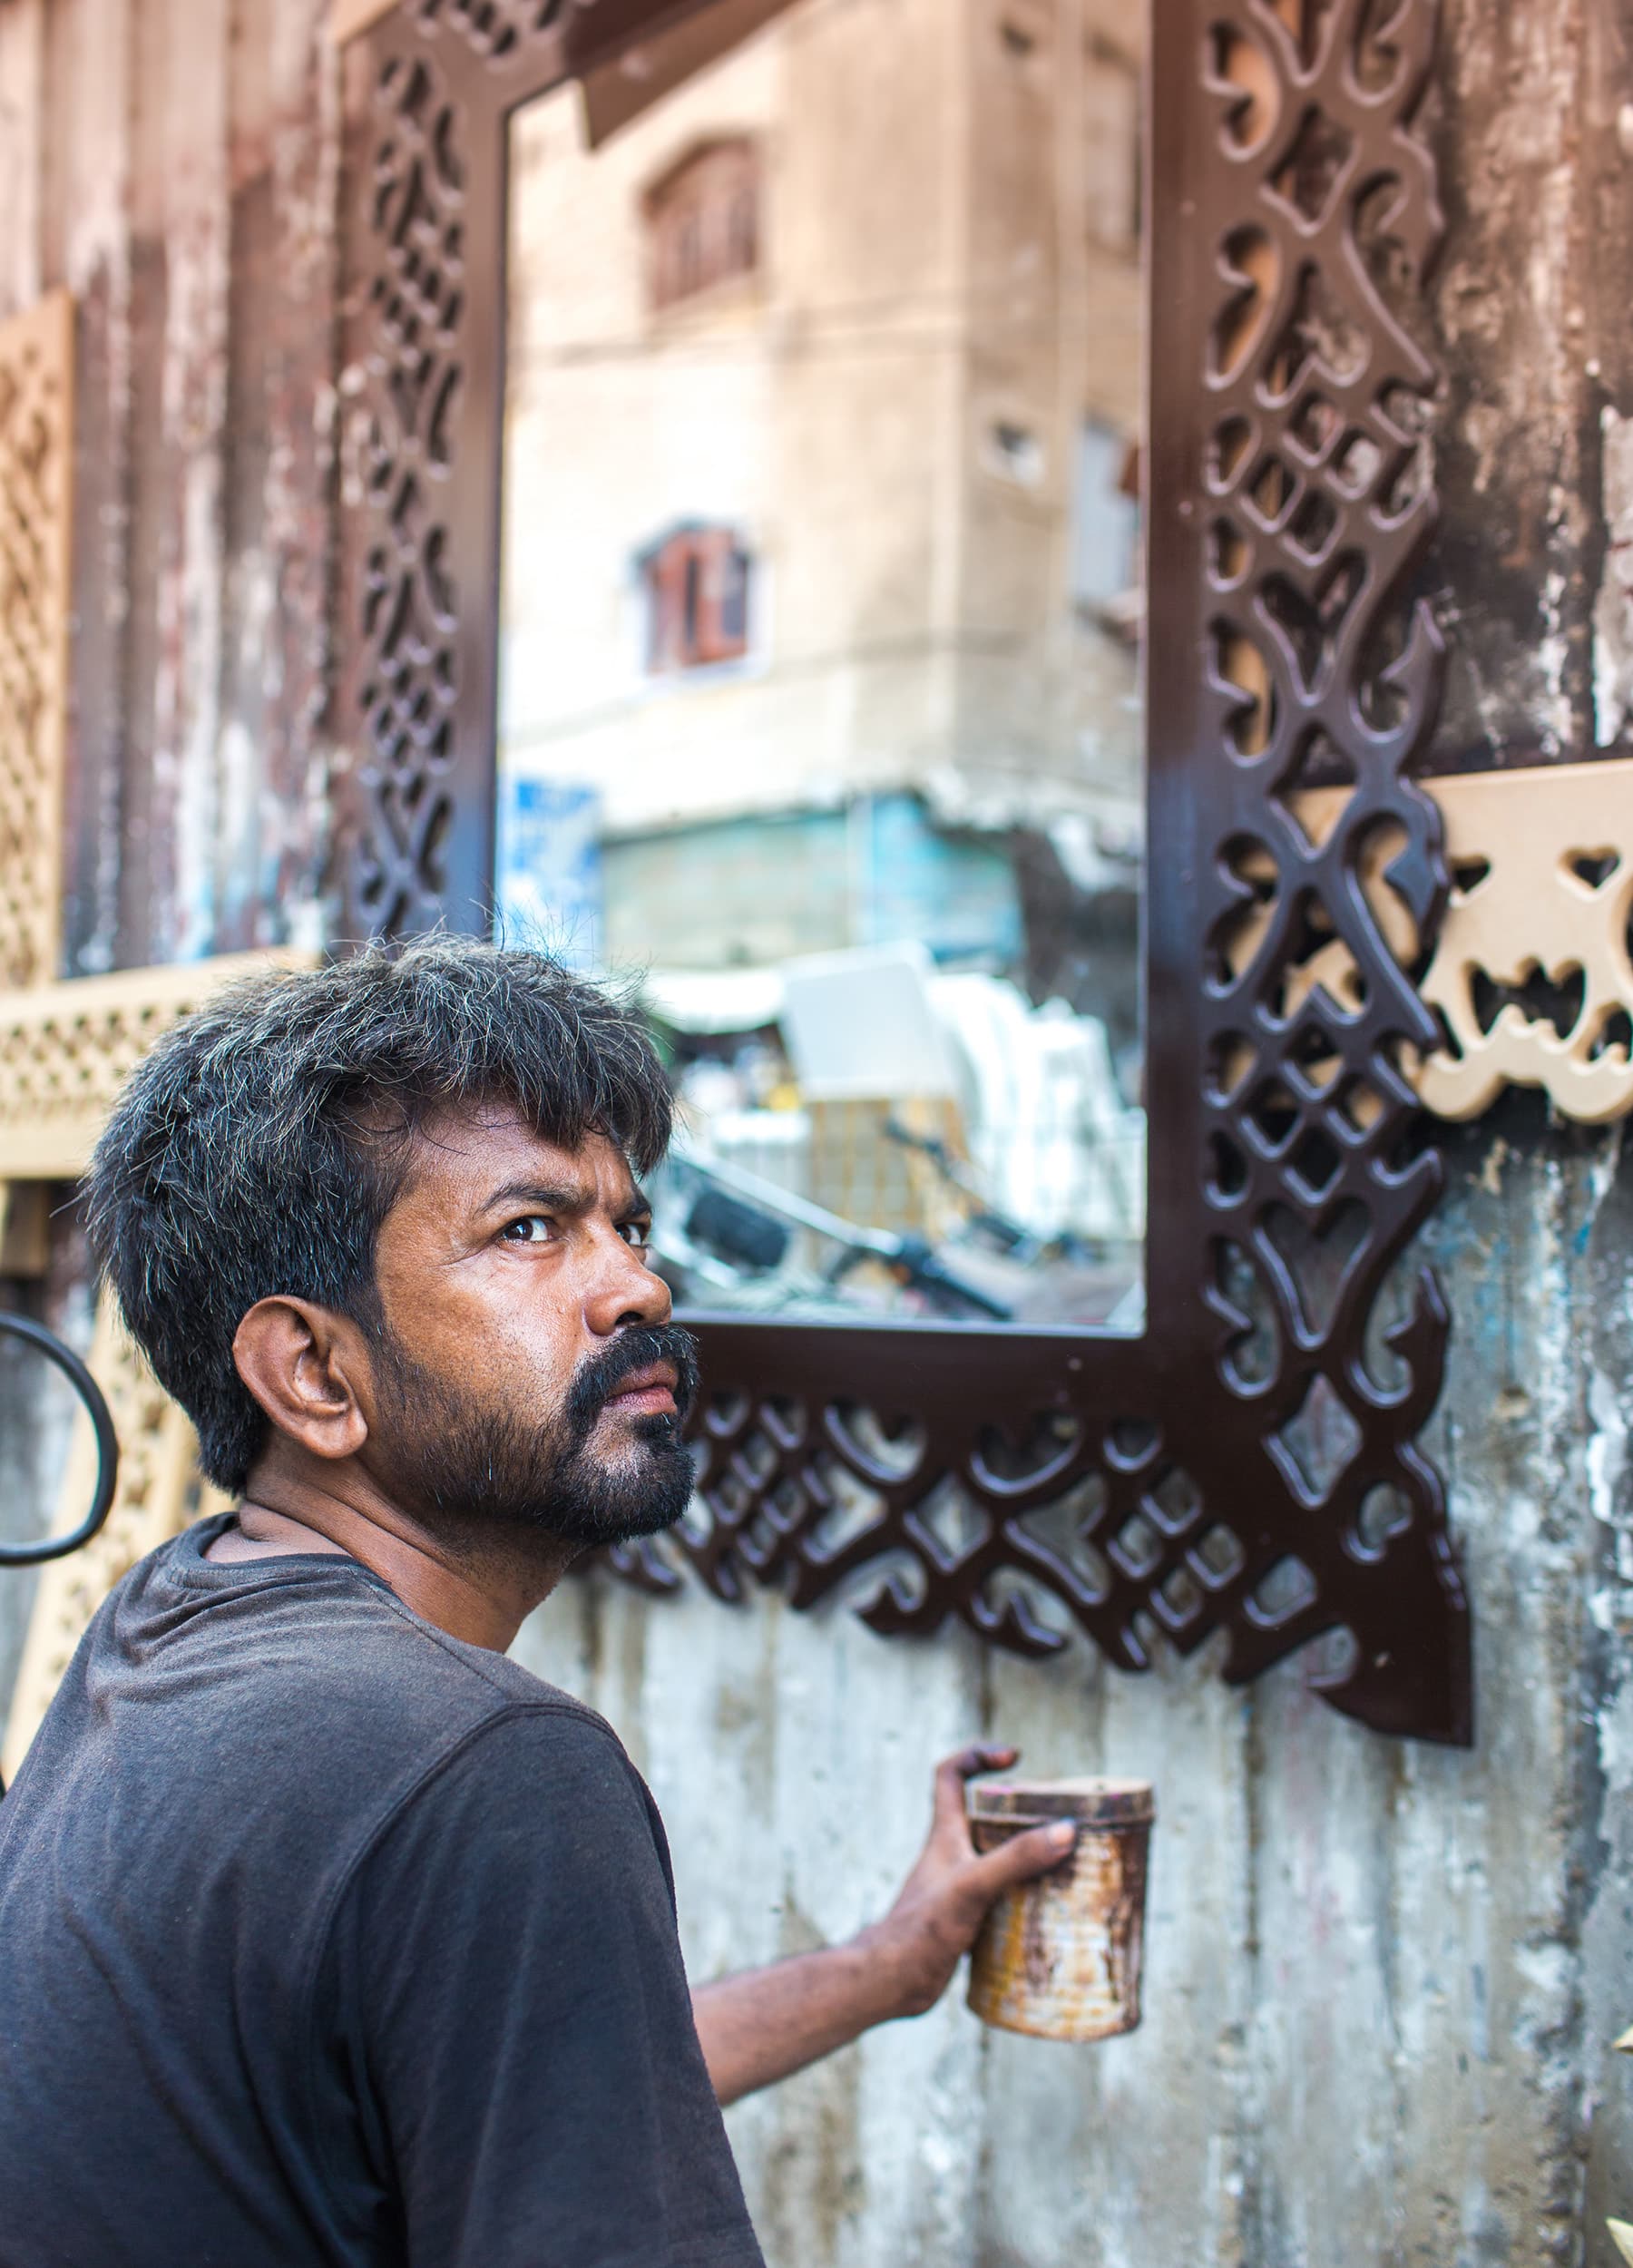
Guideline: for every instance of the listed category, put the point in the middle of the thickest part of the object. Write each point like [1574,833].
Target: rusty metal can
[1059,1956]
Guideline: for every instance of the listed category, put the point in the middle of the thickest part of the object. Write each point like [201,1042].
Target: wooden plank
[86,233]
[171,798]
[36,509]
[281,350]
[22,151]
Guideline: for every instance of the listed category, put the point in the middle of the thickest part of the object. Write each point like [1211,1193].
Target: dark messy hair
[259,1145]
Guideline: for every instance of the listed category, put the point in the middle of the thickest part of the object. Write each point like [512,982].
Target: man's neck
[480,1592]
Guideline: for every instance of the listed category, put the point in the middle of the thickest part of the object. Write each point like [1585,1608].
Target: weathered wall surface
[172,161]
[1384,1978]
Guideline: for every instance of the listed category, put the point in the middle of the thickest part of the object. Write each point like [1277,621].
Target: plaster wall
[1384,1978]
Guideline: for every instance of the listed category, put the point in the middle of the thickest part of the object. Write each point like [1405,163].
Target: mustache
[637,1347]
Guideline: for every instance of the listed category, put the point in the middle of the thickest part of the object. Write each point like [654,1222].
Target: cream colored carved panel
[159,1491]
[66,1049]
[36,470]
[1532,974]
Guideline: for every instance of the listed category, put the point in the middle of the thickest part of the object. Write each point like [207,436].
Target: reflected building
[822,580]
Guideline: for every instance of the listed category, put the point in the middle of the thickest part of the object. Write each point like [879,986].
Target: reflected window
[696,592]
[703,221]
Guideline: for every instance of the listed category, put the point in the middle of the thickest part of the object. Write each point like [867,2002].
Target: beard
[469,1470]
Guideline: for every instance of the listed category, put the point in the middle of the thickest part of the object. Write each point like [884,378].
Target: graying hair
[259,1145]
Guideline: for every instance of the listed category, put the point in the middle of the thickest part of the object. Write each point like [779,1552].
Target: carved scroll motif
[36,468]
[160,1492]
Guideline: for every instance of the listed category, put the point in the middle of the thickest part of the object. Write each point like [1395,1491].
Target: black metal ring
[107,1444]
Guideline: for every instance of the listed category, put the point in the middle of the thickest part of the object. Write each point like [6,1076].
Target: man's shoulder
[307,1680]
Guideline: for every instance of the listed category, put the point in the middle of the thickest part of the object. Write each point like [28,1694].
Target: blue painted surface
[549,874]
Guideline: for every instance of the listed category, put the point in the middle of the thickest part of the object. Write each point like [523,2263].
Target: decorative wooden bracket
[1531,975]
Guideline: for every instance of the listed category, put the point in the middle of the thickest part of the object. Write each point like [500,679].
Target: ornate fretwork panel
[159,1491]
[402,395]
[36,468]
[1075,1526]
[1306,521]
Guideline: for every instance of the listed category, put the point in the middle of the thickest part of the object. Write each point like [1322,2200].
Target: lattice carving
[160,1492]
[1020,1541]
[1250,1467]
[1318,508]
[405,395]
[37,472]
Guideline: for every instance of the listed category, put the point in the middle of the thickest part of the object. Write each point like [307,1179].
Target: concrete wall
[1382,1978]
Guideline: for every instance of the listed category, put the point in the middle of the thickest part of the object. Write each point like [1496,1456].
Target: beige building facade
[906,407]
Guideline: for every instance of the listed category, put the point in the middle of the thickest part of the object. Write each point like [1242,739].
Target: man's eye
[638,1233]
[532,1228]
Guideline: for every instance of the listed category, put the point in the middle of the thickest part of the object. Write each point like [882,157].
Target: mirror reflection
[822,606]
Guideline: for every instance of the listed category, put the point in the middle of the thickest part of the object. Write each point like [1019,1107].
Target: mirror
[822,599]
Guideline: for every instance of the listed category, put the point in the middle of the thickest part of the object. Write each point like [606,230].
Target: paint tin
[1059,1956]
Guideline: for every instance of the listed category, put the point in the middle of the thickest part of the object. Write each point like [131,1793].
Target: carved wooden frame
[1251,1463]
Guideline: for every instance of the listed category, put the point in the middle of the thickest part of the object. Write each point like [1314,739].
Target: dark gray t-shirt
[328,1938]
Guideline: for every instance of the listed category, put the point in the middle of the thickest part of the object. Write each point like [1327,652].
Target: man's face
[530,1376]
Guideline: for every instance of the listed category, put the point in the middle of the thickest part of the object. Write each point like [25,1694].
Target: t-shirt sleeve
[507,1962]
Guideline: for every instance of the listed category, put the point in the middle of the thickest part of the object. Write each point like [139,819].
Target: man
[328,1934]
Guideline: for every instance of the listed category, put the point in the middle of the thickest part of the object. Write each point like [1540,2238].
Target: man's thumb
[1023,1857]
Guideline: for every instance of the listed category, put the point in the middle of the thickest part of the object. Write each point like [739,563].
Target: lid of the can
[1098,1802]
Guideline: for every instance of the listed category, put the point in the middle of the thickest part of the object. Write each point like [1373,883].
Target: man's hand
[945,1900]
[769,2023]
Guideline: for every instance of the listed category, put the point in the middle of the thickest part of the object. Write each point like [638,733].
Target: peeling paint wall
[1384,1978]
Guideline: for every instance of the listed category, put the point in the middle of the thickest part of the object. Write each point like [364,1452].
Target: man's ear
[304,1364]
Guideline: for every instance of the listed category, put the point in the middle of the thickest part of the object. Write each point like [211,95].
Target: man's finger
[952,1772]
[1022,1857]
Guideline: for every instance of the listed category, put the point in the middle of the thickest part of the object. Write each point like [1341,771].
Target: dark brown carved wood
[1250,1465]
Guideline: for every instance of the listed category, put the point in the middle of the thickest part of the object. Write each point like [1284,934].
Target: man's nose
[624,1290]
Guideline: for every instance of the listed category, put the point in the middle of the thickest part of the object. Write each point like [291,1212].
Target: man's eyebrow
[573,1197]
[577,1196]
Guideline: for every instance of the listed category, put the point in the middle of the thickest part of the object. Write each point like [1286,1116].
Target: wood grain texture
[36,488]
